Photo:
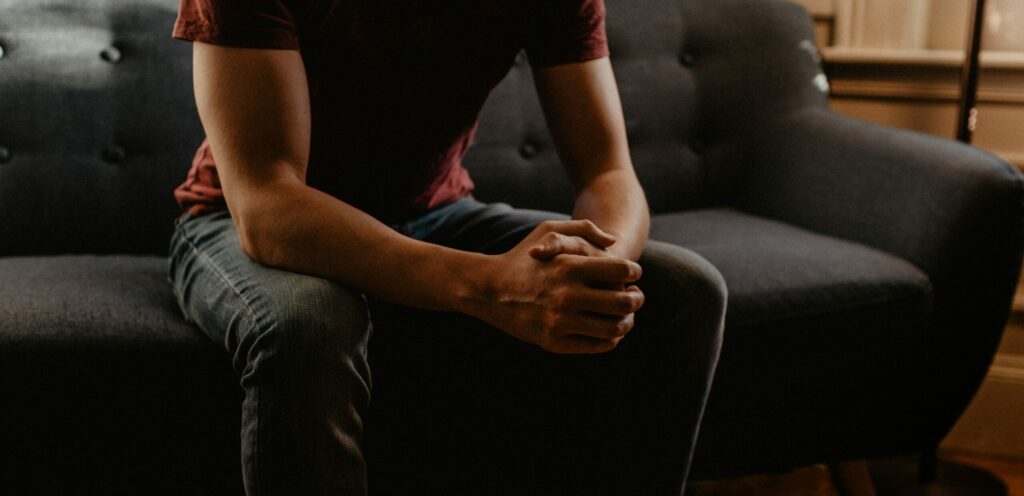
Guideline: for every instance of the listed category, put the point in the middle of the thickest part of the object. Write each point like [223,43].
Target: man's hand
[554,243]
[565,303]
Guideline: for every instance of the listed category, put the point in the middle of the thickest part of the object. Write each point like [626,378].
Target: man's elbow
[257,240]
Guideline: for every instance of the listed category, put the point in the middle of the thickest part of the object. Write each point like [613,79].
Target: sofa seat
[798,302]
[106,387]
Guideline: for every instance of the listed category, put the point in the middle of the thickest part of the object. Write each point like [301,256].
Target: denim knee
[683,280]
[311,324]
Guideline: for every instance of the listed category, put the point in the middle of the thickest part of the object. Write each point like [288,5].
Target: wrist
[475,285]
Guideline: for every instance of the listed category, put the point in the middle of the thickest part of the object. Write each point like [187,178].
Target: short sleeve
[238,23]
[567,31]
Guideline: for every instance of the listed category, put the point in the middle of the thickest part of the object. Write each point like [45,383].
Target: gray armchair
[870,270]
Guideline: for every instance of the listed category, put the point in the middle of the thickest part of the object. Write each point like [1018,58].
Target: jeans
[459,407]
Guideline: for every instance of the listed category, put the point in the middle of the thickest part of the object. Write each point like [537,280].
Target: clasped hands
[562,290]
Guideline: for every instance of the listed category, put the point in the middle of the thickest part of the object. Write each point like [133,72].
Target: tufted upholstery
[870,270]
[94,65]
[96,126]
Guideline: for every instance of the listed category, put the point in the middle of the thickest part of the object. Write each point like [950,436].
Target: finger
[605,327]
[606,302]
[553,244]
[592,325]
[605,270]
[575,344]
[582,228]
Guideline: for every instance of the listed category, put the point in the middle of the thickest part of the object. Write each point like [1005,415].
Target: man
[332,177]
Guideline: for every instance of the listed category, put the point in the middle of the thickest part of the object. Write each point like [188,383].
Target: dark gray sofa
[870,270]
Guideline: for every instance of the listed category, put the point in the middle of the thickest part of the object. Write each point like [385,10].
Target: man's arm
[584,113]
[255,109]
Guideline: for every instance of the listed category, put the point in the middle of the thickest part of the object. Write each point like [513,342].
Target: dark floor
[895,477]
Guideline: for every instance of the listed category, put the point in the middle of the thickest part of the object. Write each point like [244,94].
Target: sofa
[870,270]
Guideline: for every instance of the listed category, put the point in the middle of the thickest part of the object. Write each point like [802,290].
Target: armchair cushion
[776,271]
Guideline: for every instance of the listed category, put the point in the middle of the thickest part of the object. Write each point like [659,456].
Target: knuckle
[560,299]
[565,266]
[547,324]
[604,346]
[623,327]
[627,303]
[633,301]
[638,300]
[630,270]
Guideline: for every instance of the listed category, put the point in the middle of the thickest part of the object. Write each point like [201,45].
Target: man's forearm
[297,228]
[615,202]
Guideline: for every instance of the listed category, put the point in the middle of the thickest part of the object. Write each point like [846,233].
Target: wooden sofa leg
[852,478]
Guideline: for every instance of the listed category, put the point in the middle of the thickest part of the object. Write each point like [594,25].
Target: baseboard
[993,424]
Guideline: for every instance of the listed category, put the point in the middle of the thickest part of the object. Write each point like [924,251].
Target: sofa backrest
[696,78]
[98,123]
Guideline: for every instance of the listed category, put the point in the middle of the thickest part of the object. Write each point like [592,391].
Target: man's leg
[493,415]
[298,344]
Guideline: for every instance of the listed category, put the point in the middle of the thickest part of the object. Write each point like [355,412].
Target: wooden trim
[931,58]
[1008,368]
[921,75]
[938,92]
[1017,159]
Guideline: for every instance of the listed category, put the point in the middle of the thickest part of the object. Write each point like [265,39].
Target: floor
[816,480]
[1011,472]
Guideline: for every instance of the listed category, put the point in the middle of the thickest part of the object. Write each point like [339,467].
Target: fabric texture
[514,418]
[297,344]
[777,271]
[380,73]
[953,211]
[833,320]
[107,390]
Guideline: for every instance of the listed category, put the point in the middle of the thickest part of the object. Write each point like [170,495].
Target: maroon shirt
[396,86]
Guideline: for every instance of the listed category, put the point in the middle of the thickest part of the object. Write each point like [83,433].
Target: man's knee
[684,276]
[308,322]
[684,285]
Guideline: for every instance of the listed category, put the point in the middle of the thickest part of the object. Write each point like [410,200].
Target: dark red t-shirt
[396,86]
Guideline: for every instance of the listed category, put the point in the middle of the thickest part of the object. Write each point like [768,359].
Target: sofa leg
[852,478]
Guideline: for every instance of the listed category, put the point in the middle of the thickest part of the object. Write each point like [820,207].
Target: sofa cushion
[106,384]
[822,345]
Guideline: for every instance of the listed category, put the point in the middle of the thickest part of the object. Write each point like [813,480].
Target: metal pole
[969,76]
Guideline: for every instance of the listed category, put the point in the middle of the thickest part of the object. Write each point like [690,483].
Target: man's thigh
[237,301]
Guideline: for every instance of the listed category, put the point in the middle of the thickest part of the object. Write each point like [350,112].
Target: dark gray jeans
[459,407]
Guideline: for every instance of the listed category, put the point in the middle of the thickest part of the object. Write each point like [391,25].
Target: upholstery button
[688,59]
[5,154]
[113,154]
[111,54]
[528,150]
[698,146]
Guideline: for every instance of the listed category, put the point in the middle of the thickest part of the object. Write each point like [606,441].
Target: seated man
[331,183]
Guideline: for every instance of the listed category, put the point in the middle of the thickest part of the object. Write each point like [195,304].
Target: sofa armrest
[953,210]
